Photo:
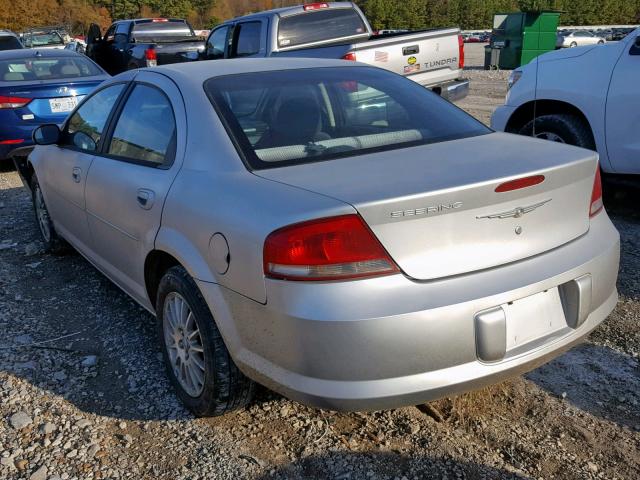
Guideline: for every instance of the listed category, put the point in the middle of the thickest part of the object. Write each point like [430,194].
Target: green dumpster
[522,36]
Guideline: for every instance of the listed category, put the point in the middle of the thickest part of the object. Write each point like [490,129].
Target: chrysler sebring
[330,230]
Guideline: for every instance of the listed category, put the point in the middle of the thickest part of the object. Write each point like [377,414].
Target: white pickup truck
[585,96]
[433,58]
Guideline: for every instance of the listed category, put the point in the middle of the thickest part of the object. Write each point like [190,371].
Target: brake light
[334,248]
[351,56]
[16,141]
[13,102]
[315,6]
[460,52]
[596,195]
[151,56]
[519,183]
[159,20]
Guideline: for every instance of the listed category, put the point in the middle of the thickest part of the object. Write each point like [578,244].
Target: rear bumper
[454,90]
[388,342]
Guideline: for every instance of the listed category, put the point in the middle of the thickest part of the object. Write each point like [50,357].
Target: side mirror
[48,134]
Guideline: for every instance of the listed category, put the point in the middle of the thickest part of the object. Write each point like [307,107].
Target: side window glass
[217,43]
[146,129]
[108,37]
[248,42]
[87,124]
[122,33]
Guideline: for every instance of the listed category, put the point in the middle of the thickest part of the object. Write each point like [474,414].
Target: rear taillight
[334,248]
[460,52]
[151,57]
[13,102]
[15,141]
[349,56]
[315,6]
[596,195]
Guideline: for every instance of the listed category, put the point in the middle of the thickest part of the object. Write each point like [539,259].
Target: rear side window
[319,25]
[86,125]
[47,68]
[300,116]
[248,39]
[146,129]
[8,42]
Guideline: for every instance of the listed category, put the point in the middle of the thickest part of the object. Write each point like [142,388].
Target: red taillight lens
[315,6]
[16,141]
[150,54]
[349,56]
[334,248]
[460,52]
[13,102]
[596,195]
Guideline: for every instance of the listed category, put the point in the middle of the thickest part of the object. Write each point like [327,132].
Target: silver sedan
[579,38]
[328,229]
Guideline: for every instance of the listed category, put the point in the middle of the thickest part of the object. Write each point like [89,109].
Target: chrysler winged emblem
[516,212]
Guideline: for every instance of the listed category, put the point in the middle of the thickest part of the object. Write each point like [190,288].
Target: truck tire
[53,243]
[197,361]
[561,128]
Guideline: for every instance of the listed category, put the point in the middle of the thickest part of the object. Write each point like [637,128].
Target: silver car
[579,38]
[328,229]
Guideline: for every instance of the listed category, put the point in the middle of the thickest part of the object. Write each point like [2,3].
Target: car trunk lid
[436,210]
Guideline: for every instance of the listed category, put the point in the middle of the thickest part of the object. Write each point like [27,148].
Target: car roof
[35,53]
[201,71]
[7,32]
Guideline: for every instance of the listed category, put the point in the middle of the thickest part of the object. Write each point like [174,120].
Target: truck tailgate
[176,52]
[427,57]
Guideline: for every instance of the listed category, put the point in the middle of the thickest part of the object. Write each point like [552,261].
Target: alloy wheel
[184,344]
[550,136]
[44,222]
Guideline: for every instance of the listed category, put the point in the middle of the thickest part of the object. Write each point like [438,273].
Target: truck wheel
[561,128]
[53,243]
[197,360]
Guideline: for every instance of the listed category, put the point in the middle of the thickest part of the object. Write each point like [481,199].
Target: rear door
[623,114]
[64,175]
[129,180]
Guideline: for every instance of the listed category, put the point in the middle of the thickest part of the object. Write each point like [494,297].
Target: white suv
[585,96]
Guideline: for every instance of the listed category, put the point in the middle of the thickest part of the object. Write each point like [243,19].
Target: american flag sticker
[381,57]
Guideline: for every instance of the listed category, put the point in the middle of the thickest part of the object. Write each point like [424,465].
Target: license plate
[62,105]
[534,317]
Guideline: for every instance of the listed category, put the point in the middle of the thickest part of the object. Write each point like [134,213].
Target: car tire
[573,45]
[562,128]
[53,243]
[600,42]
[198,364]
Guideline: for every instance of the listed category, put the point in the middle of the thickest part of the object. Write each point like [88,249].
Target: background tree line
[413,14]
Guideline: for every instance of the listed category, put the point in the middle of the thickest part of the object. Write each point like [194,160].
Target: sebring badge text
[426,210]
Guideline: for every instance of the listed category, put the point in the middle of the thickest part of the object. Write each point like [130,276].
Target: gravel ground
[83,394]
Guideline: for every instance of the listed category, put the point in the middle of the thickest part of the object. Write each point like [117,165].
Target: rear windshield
[301,116]
[318,26]
[30,69]
[8,42]
[162,30]
[34,40]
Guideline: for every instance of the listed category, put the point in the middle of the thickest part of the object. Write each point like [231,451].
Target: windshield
[319,25]
[44,39]
[29,69]
[301,116]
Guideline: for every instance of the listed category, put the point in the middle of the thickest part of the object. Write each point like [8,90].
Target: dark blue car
[40,86]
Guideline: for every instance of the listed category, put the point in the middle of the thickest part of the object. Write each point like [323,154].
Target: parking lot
[83,393]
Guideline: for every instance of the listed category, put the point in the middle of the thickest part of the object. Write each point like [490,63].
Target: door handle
[145,198]
[76,174]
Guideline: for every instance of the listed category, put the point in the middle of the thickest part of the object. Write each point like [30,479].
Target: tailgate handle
[412,50]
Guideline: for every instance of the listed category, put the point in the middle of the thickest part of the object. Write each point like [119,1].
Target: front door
[623,112]
[64,180]
[129,180]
